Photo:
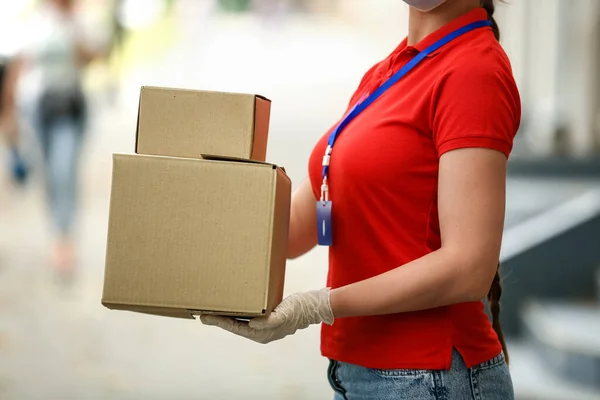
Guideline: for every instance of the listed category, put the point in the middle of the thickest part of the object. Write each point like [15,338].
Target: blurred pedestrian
[9,125]
[46,78]
[408,189]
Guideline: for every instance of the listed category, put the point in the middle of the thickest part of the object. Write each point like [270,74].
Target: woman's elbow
[476,275]
[292,253]
[299,244]
[302,236]
[480,278]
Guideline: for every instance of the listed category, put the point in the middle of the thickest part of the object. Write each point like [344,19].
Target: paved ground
[58,343]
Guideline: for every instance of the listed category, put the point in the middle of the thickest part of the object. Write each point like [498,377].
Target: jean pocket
[498,361]
[492,381]
[332,377]
[398,373]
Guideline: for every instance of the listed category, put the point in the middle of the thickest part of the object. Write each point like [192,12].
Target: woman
[47,90]
[416,184]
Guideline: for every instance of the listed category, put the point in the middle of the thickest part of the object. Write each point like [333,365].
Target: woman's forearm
[13,70]
[440,278]
[302,232]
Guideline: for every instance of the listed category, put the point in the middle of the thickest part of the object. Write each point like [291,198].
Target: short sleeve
[476,105]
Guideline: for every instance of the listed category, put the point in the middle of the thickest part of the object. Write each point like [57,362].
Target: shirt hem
[443,365]
[475,142]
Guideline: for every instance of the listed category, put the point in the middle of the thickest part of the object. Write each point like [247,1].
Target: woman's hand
[297,311]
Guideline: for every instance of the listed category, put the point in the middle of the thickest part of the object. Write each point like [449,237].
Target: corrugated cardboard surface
[187,123]
[190,234]
[262,116]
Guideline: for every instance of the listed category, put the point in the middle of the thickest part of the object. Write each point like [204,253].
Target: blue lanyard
[361,106]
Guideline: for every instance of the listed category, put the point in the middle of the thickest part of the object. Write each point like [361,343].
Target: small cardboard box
[192,235]
[187,123]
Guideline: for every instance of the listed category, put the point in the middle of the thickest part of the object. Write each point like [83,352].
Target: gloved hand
[297,311]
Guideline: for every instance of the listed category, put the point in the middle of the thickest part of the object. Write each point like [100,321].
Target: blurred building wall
[553,45]
[580,81]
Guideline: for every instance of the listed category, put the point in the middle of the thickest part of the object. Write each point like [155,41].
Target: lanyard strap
[362,105]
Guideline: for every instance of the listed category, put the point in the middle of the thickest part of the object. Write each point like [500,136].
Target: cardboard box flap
[238,315]
[238,159]
[152,310]
[169,89]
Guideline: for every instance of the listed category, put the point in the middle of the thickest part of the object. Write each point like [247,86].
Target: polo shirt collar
[478,14]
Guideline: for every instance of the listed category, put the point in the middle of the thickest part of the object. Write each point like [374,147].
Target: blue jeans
[60,141]
[61,144]
[488,381]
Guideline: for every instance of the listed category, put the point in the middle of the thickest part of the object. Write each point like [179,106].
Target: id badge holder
[324,217]
[324,223]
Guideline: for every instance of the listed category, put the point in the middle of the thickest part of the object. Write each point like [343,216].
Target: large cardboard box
[187,123]
[194,235]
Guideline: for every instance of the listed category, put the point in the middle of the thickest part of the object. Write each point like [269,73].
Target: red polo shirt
[383,184]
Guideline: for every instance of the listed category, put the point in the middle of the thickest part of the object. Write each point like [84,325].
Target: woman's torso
[50,54]
[383,185]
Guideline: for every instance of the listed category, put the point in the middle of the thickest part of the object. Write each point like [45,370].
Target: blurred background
[58,342]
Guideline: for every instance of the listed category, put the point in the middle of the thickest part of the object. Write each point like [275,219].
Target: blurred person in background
[9,126]
[411,198]
[45,87]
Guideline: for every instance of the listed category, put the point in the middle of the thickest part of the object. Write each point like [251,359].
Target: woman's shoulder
[483,55]
[481,65]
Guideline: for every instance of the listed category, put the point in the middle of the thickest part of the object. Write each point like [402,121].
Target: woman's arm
[13,70]
[471,203]
[8,98]
[303,217]
[86,56]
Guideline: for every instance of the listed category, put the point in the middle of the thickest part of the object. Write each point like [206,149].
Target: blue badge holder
[324,223]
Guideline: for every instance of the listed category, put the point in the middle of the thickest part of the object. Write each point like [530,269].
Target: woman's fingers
[227,323]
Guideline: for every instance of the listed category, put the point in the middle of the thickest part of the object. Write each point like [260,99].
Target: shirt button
[390,73]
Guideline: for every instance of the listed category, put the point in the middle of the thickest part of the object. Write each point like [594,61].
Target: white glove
[297,311]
